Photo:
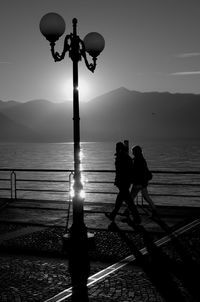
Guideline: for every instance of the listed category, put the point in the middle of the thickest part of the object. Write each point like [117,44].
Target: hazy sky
[151,45]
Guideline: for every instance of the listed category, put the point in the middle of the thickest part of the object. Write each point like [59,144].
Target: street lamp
[52,26]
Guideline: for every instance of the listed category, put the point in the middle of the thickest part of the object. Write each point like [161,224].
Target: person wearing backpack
[123,177]
[141,177]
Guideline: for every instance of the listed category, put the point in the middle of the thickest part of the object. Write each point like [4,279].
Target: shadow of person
[164,273]
[184,269]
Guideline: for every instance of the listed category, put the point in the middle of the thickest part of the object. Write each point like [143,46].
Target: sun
[66,89]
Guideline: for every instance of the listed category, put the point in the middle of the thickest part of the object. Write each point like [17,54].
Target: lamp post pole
[78,218]
[52,26]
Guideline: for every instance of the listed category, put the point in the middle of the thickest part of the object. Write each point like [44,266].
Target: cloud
[183,56]
[185,73]
[188,55]
[4,62]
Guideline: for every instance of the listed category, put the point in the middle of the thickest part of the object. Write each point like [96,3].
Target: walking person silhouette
[140,177]
[123,180]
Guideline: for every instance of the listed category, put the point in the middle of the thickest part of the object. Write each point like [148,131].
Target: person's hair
[120,147]
[137,149]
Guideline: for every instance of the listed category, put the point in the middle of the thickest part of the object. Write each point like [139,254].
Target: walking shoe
[137,220]
[109,216]
[112,227]
[125,213]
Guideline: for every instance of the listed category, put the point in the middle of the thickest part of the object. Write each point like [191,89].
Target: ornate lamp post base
[79,263]
[67,236]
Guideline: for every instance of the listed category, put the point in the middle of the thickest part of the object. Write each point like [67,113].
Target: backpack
[149,175]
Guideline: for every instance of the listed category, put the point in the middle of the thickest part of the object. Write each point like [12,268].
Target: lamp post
[52,26]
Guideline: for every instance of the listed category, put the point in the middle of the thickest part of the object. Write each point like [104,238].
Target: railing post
[13,187]
[71,176]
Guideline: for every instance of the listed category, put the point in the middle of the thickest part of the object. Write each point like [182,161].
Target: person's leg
[118,203]
[146,196]
[134,192]
[131,206]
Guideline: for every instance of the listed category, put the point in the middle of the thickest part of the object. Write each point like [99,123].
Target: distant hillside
[113,116]
[4,105]
[123,113]
[15,132]
[52,121]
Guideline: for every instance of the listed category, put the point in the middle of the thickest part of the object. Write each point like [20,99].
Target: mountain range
[117,115]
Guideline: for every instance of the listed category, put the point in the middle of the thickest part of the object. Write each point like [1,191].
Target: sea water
[166,155]
[160,155]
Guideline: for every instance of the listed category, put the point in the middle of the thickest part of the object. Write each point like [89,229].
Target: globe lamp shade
[94,44]
[52,26]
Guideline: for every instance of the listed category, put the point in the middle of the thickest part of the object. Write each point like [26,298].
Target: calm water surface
[98,155]
[179,156]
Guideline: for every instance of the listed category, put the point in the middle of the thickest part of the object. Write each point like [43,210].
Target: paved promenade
[34,266]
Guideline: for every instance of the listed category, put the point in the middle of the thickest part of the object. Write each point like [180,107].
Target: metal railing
[24,183]
[14,181]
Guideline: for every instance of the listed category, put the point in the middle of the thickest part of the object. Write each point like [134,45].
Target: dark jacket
[124,169]
[141,173]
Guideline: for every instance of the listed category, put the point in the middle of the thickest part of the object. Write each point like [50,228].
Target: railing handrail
[95,170]
[16,179]
[34,170]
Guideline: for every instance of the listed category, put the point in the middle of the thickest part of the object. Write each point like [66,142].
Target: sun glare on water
[83,181]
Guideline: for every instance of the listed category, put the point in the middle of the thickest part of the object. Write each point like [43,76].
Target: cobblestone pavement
[37,279]
[126,285]
[28,278]
[27,275]
[31,278]
[34,268]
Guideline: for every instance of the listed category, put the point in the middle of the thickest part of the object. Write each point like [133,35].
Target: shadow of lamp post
[52,26]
